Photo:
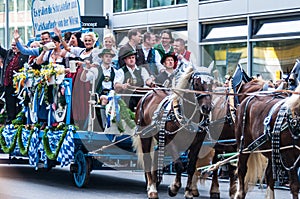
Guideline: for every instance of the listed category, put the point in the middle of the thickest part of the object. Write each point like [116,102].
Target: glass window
[272,56]
[135,4]
[279,27]
[117,5]
[2,35]
[21,5]
[176,30]
[29,4]
[2,7]
[227,32]
[30,32]
[121,36]
[11,5]
[181,1]
[157,3]
[226,58]
[22,33]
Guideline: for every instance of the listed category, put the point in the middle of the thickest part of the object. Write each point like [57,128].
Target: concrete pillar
[193,29]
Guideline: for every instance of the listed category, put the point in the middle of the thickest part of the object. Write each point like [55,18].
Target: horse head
[294,76]
[202,81]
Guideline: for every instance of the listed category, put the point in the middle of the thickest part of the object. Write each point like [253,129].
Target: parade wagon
[45,132]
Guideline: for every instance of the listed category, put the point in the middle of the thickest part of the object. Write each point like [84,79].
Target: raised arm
[63,42]
[22,49]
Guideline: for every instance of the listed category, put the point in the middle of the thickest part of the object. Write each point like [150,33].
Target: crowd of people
[144,61]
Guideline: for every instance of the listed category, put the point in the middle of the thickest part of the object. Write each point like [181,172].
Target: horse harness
[228,118]
[293,123]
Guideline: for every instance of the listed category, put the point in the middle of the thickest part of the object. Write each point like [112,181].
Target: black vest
[99,88]
[138,81]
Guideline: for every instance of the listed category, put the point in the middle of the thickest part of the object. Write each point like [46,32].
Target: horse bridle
[200,75]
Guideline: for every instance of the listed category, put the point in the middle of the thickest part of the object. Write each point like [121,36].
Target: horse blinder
[294,124]
[198,75]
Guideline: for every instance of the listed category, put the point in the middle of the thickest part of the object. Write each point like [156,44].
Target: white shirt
[120,76]
[157,57]
[91,74]
[47,57]
[79,52]
[107,72]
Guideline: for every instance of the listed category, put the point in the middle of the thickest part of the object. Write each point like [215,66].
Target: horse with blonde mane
[222,126]
[172,128]
[267,128]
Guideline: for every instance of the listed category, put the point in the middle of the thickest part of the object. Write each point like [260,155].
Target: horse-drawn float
[44,130]
[44,133]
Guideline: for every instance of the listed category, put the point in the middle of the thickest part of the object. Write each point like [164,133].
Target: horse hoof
[153,196]
[195,193]
[215,195]
[171,194]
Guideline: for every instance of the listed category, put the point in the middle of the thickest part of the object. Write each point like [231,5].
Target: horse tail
[137,146]
[205,157]
[257,164]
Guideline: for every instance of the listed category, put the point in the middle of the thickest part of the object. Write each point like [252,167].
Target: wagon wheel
[82,175]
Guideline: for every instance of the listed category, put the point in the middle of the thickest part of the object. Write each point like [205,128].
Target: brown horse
[174,130]
[222,127]
[222,130]
[269,125]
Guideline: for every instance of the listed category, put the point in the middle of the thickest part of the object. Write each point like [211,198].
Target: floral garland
[4,146]
[53,155]
[24,150]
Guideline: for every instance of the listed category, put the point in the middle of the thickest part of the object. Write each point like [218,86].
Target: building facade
[262,36]
[18,16]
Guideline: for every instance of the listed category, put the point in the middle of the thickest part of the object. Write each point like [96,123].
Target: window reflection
[226,58]
[142,4]
[271,56]
[135,4]
[117,5]
[157,3]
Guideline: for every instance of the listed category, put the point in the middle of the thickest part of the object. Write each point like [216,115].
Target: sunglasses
[87,40]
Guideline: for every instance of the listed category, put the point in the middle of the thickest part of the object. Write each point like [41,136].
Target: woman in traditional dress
[80,94]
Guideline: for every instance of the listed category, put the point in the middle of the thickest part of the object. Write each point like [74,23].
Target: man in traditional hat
[104,76]
[105,73]
[132,75]
[165,78]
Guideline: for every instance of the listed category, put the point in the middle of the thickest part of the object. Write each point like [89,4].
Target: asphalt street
[23,182]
